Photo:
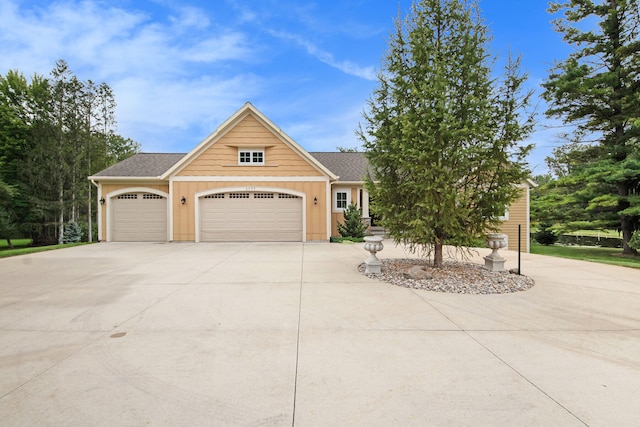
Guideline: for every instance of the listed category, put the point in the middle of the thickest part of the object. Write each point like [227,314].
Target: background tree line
[54,132]
[595,177]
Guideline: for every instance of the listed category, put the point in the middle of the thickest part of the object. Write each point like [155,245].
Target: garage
[250,217]
[139,217]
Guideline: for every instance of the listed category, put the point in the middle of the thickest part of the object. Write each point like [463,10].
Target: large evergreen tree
[597,90]
[441,133]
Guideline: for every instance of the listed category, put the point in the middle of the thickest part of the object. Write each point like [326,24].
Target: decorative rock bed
[453,277]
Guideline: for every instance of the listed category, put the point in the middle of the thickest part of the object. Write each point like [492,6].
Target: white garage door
[139,217]
[251,217]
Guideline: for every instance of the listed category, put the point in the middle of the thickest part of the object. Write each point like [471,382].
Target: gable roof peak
[232,121]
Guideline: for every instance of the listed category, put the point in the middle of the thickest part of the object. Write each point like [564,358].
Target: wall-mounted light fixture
[102,200]
[183,200]
[315,200]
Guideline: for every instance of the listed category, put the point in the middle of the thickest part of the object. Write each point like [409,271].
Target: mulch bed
[453,277]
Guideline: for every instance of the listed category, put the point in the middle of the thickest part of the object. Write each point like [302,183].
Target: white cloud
[178,76]
[229,46]
[111,40]
[78,32]
[165,74]
[150,110]
[189,18]
[347,67]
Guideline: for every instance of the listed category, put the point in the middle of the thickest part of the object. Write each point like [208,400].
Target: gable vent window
[238,195]
[251,157]
[128,196]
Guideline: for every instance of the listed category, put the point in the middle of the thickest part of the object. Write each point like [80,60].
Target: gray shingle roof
[348,166]
[143,165]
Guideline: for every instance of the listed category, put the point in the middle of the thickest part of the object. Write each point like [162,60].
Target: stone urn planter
[372,264]
[493,261]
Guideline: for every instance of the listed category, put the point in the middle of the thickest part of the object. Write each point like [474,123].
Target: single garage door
[251,217]
[139,217]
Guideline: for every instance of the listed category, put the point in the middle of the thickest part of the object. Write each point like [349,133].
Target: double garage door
[224,217]
[139,217]
[251,217]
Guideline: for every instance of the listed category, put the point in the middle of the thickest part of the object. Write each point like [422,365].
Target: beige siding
[221,158]
[336,217]
[184,227]
[518,214]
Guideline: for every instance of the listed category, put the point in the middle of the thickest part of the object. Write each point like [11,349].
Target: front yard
[588,253]
[23,247]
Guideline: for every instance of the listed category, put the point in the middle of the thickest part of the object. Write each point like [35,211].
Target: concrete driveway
[291,334]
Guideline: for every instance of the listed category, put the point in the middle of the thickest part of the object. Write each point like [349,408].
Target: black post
[519,245]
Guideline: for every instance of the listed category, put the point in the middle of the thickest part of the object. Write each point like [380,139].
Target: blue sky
[180,68]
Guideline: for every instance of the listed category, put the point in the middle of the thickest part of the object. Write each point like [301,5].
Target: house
[247,181]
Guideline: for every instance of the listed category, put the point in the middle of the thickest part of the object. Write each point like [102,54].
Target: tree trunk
[61,218]
[626,226]
[9,244]
[627,232]
[437,255]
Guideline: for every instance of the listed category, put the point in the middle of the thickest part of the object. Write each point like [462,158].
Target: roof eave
[125,178]
[349,182]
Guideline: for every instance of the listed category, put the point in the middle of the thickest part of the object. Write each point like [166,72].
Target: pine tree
[441,134]
[597,90]
[72,233]
[545,235]
[353,226]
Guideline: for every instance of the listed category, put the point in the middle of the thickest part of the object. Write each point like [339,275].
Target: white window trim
[251,151]
[334,198]
[504,217]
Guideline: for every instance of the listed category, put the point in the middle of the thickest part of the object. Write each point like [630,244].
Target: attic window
[251,157]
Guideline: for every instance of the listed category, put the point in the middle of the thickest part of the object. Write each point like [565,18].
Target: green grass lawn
[590,233]
[595,233]
[23,247]
[17,243]
[585,253]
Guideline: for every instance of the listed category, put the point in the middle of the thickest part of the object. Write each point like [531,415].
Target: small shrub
[353,226]
[545,235]
[72,233]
